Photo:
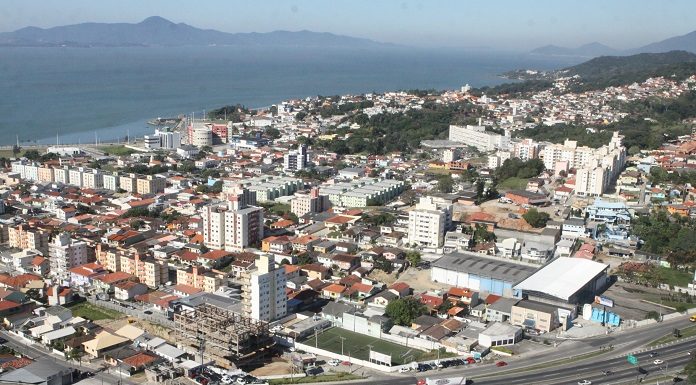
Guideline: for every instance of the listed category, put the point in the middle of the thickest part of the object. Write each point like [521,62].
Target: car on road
[148,312]
[501,363]
[658,362]
[334,362]
[584,382]
[653,354]
[404,369]
[607,372]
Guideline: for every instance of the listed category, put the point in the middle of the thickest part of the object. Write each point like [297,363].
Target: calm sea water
[81,94]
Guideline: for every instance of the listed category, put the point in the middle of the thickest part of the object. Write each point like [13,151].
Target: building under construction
[230,339]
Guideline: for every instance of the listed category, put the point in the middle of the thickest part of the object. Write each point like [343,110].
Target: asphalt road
[520,370]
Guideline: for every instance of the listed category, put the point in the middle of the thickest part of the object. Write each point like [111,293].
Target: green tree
[300,116]
[32,155]
[413,257]
[445,184]
[272,132]
[536,218]
[16,150]
[404,310]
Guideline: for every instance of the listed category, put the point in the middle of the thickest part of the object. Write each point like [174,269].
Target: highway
[528,370]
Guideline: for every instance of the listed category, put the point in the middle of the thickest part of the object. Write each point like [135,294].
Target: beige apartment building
[200,278]
[25,238]
[150,184]
[149,271]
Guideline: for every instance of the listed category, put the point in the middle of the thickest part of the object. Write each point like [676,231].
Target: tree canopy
[404,310]
[536,218]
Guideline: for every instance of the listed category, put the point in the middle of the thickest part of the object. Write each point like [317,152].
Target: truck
[443,381]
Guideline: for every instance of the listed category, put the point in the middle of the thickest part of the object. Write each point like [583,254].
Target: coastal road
[527,370]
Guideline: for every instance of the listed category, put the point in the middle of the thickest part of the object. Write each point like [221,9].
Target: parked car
[404,369]
[584,382]
[658,362]
[501,363]
[334,362]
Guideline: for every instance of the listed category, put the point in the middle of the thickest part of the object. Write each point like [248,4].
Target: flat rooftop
[474,263]
[563,277]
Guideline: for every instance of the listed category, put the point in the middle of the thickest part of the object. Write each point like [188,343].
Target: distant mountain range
[590,50]
[157,31]
[678,43]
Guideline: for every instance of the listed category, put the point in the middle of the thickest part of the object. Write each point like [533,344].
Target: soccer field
[356,345]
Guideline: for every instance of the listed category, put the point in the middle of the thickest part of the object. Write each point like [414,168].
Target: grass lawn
[674,277]
[355,345]
[93,312]
[329,377]
[685,332]
[117,150]
[513,183]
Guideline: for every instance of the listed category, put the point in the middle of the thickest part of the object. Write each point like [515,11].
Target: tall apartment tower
[296,160]
[232,227]
[263,295]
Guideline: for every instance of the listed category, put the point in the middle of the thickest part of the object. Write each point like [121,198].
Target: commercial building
[476,272]
[233,226]
[565,281]
[200,134]
[64,254]
[477,136]
[535,315]
[309,202]
[169,140]
[225,337]
[263,291]
[499,334]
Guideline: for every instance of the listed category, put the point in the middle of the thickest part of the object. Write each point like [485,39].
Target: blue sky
[502,24]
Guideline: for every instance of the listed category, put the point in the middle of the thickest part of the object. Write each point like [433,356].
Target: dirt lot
[419,280]
[628,300]
[154,329]
[275,367]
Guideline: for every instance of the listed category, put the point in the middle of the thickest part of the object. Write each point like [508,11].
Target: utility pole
[342,339]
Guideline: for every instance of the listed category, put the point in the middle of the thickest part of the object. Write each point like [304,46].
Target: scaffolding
[223,336]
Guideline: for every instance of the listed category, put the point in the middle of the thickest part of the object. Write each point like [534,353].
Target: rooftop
[488,267]
[563,277]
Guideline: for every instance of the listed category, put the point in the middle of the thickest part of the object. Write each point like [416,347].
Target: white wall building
[64,254]
[427,223]
[478,137]
[232,227]
[264,296]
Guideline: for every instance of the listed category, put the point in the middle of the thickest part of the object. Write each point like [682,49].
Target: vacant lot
[93,312]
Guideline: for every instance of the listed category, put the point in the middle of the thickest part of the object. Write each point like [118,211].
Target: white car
[658,362]
[334,362]
[404,369]
[226,379]
[585,382]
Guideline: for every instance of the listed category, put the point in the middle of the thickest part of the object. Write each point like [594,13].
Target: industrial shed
[566,281]
[476,272]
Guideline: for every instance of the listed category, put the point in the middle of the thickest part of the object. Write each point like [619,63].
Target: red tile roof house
[432,302]
[214,258]
[466,296]
[401,289]
[360,291]
[83,275]
[333,291]
[60,295]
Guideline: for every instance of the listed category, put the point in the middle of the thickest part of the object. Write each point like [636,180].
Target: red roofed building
[333,291]
[60,295]
[84,275]
[432,302]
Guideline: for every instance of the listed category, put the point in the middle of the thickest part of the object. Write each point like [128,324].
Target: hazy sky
[504,24]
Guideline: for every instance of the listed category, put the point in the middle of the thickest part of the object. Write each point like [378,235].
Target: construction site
[227,338]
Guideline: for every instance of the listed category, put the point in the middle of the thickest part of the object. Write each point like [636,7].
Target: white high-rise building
[263,296]
[232,227]
[295,160]
[163,139]
[427,223]
[64,254]
[92,179]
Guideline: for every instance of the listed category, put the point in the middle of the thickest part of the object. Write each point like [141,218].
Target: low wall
[352,360]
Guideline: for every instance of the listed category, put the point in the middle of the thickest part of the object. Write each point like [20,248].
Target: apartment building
[75,176]
[295,160]
[92,179]
[111,181]
[309,202]
[148,270]
[65,253]
[263,291]
[427,223]
[25,238]
[150,184]
[477,136]
[128,182]
[232,227]
[200,278]
[45,174]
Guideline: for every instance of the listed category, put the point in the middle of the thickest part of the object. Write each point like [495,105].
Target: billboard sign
[381,358]
[604,301]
